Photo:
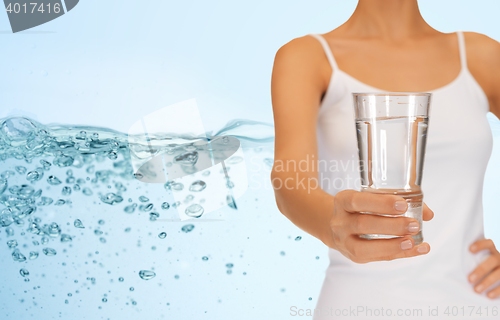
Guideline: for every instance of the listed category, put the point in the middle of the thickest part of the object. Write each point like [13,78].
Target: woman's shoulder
[483,61]
[482,46]
[303,53]
[301,46]
[303,59]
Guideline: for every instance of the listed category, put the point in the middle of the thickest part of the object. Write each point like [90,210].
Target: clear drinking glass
[392,133]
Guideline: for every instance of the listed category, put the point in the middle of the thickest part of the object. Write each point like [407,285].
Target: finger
[488,281]
[484,268]
[364,250]
[418,250]
[427,214]
[373,224]
[355,201]
[482,245]
[494,293]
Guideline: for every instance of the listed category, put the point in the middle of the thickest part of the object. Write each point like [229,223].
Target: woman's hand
[347,223]
[488,272]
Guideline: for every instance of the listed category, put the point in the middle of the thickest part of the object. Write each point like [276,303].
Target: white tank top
[459,145]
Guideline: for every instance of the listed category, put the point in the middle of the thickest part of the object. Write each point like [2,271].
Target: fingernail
[405,245]
[479,288]
[422,249]
[400,206]
[492,294]
[413,227]
[473,248]
[473,278]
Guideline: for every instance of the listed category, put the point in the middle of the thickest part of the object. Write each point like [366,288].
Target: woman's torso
[458,148]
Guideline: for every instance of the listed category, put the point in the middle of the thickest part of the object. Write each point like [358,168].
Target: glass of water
[392,133]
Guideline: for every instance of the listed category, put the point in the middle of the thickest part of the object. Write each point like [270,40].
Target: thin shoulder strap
[461,46]
[327,49]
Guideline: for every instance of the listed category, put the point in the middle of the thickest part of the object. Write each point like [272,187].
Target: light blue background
[107,63]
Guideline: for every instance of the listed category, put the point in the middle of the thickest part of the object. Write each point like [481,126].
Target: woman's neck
[390,20]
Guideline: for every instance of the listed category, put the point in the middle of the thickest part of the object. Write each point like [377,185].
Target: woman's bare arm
[484,63]
[296,89]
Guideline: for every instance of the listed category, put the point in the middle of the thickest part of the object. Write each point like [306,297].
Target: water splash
[230,202]
[252,132]
[12,244]
[187,228]
[78,224]
[41,159]
[194,211]
[18,256]
[49,252]
[197,186]
[165,206]
[146,274]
